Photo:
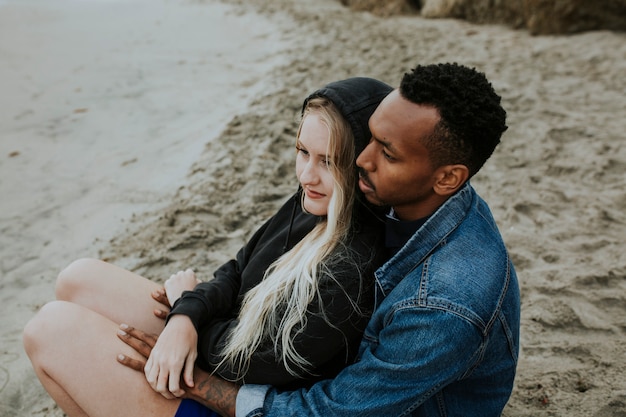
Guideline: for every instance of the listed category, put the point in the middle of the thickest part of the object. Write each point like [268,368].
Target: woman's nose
[309,174]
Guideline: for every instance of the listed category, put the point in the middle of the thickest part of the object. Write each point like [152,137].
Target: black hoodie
[214,306]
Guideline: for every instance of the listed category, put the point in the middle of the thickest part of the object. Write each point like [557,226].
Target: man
[444,338]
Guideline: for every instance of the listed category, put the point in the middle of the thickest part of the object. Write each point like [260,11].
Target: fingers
[161,296]
[162,385]
[149,339]
[140,341]
[174,385]
[187,276]
[192,275]
[135,364]
[160,314]
[189,367]
[178,283]
[165,383]
[157,379]
[127,336]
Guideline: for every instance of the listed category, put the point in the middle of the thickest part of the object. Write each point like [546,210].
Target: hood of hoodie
[356,98]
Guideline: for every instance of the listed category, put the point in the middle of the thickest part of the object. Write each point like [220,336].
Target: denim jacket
[444,338]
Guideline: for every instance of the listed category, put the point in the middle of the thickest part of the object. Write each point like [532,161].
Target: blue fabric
[190,408]
[444,338]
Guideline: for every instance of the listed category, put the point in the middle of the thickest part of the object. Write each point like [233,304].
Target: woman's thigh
[77,348]
[114,292]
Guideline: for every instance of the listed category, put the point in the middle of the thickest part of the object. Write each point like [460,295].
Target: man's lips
[365,185]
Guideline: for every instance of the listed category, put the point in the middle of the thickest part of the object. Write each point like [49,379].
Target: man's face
[395,166]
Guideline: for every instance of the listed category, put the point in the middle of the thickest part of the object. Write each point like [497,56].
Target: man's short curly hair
[472,119]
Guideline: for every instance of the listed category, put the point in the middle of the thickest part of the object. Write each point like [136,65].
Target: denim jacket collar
[432,234]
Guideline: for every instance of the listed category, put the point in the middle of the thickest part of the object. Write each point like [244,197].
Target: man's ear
[449,178]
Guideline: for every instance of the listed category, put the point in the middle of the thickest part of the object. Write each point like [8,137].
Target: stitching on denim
[257,412]
[505,289]
[422,294]
[480,355]
[441,404]
[513,350]
[433,391]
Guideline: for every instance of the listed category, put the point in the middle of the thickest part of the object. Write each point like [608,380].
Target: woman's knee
[74,278]
[39,330]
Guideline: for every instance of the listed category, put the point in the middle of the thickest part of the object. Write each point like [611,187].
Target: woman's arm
[332,333]
[217,296]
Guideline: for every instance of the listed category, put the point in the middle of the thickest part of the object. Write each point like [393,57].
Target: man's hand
[142,342]
[211,391]
[161,296]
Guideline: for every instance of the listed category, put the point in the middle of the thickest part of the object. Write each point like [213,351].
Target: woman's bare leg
[115,293]
[73,351]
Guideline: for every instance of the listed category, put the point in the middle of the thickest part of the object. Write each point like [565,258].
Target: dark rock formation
[540,17]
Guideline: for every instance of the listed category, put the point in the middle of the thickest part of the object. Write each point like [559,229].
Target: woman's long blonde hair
[275,310]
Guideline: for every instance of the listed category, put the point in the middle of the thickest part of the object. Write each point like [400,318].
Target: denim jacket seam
[428,303]
[509,337]
[441,404]
[423,292]
[428,394]
[480,355]
[501,297]
[458,310]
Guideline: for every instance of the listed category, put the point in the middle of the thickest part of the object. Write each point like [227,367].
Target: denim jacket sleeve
[419,351]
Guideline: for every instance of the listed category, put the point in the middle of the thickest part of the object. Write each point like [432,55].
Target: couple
[327,310]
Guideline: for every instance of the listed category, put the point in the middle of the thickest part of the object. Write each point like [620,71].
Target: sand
[161,141]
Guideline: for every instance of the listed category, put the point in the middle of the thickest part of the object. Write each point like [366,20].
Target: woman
[289,310]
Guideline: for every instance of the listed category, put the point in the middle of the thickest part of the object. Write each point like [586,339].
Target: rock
[540,17]
[570,16]
[510,12]
[384,7]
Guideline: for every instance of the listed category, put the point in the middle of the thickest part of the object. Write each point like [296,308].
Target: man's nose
[364,160]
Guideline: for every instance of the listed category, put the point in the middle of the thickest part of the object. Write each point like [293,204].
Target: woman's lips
[313,194]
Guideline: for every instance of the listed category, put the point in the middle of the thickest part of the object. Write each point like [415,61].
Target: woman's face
[312,163]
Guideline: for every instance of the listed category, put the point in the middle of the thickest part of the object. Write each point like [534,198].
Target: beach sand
[162,142]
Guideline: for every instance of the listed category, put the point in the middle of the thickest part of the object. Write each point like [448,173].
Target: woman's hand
[175,352]
[179,282]
[211,391]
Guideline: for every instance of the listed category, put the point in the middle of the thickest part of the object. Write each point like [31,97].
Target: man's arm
[214,393]
[209,390]
[419,352]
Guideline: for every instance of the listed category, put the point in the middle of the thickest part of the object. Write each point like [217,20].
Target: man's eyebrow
[385,143]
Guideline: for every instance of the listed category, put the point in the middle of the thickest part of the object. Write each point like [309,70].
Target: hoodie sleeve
[218,296]
[330,338]
[221,296]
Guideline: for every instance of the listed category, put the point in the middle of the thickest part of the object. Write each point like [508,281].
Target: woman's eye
[302,151]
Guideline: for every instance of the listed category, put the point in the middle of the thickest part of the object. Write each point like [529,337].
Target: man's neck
[398,232]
